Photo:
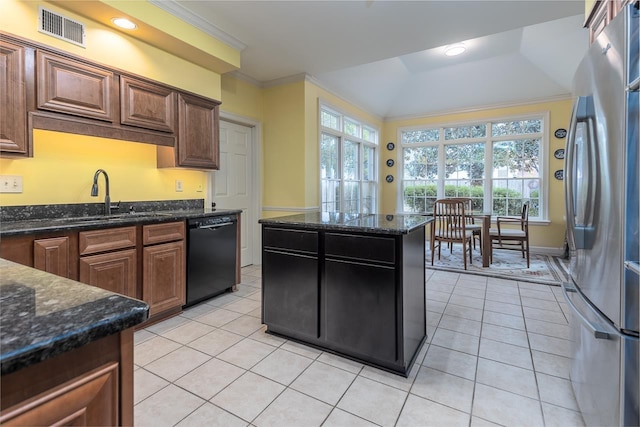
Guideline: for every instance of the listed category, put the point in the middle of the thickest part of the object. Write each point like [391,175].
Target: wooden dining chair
[512,238]
[476,229]
[449,226]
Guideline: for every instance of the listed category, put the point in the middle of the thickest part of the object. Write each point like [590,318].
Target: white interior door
[232,183]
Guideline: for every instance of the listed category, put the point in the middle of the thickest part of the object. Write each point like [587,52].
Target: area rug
[545,269]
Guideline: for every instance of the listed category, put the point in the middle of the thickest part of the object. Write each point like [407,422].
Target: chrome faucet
[94,190]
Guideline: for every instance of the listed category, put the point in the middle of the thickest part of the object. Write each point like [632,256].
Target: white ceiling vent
[61,27]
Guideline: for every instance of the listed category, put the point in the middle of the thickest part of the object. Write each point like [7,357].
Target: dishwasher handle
[214,226]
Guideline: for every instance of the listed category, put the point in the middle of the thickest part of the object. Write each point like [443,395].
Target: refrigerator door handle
[598,333]
[569,180]
[633,266]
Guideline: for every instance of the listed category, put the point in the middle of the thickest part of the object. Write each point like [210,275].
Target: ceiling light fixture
[124,23]
[454,49]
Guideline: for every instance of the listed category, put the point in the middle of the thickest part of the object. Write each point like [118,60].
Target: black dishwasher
[211,257]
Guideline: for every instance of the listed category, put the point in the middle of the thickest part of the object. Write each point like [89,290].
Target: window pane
[516,127]
[330,120]
[368,198]
[425,135]
[329,157]
[477,131]
[519,158]
[330,195]
[351,197]
[369,135]
[369,164]
[350,161]
[352,128]
[419,195]
[420,163]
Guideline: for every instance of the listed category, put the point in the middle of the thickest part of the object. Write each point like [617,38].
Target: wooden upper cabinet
[73,87]
[147,105]
[13,97]
[198,132]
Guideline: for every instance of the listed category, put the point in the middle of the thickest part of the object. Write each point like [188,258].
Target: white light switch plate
[10,184]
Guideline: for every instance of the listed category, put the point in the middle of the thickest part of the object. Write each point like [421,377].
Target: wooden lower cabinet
[52,255]
[163,277]
[113,271]
[88,386]
[88,400]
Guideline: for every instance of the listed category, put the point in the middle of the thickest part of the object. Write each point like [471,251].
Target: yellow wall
[551,235]
[63,165]
[284,146]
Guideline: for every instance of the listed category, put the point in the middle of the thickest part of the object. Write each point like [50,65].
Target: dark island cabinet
[358,294]
[290,265]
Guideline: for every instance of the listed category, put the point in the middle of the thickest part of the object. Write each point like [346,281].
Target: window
[498,164]
[348,164]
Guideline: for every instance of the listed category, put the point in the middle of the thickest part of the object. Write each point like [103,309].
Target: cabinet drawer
[356,247]
[160,233]
[297,240]
[95,241]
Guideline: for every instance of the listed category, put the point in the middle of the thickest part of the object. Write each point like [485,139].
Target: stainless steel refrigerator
[602,189]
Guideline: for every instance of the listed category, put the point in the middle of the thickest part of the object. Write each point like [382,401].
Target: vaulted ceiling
[387,57]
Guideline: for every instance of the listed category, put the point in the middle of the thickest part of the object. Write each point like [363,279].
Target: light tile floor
[497,355]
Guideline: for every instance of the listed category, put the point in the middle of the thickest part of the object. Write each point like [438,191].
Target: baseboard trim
[544,250]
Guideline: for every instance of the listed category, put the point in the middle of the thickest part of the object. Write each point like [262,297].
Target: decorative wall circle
[559,174]
[389,217]
[559,153]
[389,178]
[390,162]
[560,133]
[390,146]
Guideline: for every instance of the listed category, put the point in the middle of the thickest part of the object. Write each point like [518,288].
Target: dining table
[486,238]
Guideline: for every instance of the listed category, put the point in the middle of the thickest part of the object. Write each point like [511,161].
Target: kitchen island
[350,284]
[66,350]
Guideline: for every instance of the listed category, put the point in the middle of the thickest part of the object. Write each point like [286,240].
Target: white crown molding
[241,76]
[179,11]
[315,81]
[496,106]
[290,209]
[285,80]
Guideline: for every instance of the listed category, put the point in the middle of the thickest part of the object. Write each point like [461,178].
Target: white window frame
[342,137]
[488,161]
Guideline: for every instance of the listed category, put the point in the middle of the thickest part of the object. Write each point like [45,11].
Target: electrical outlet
[178,185]
[10,184]
[199,189]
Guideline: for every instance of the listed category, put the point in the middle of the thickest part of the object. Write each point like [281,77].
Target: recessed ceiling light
[124,23]
[454,49]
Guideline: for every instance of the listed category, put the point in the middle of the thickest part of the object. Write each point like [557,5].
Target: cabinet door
[52,255]
[88,400]
[147,105]
[73,87]
[13,106]
[290,293]
[163,277]
[361,307]
[114,271]
[198,132]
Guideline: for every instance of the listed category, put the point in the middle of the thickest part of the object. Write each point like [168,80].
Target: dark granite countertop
[43,315]
[338,221]
[79,223]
